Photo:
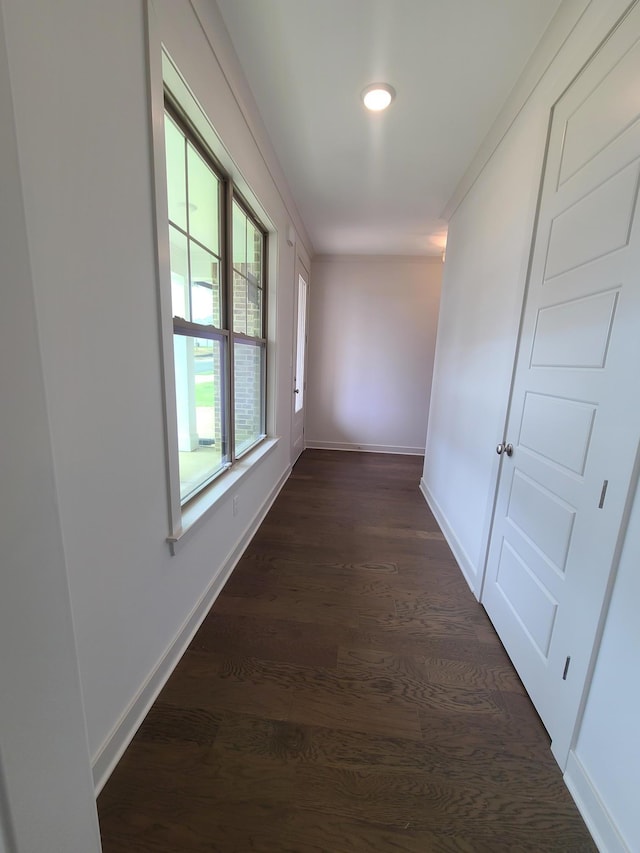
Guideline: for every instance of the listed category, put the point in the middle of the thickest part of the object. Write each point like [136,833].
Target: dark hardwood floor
[346,693]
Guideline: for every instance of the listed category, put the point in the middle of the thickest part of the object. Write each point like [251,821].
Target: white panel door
[574,418]
[300,360]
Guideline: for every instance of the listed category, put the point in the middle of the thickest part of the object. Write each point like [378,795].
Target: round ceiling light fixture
[378,96]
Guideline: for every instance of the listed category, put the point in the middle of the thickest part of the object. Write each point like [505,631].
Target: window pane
[176,182]
[254,310]
[248,373]
[202,443]
[247,305]
[254,253]
[239,238]
[179,273]
[204,202]
[205,287]
[248,245]
[239,303]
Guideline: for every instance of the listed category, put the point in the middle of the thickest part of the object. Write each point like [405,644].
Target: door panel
[603,115]
[574,418]
[541,516]
[557,428]
[531,602]
[590,318]
[594,226]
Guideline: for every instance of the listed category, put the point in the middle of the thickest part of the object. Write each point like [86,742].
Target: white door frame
[301,268]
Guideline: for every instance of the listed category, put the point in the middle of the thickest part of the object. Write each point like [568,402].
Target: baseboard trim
[122,734]
[462,558]
[594,812]
[365,448]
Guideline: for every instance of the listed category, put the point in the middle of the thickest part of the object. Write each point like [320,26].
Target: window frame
[167,86]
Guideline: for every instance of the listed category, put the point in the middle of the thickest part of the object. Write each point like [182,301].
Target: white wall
[46,800]
[483,287]
[372,329]
[482,290]
[79,78]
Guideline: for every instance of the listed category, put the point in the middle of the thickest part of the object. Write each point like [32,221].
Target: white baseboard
[594,812]
[366,448]
[462,558]
[121,736]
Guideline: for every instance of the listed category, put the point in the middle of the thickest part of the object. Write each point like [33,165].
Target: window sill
[201,506]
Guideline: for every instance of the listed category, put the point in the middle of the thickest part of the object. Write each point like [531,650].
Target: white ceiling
[377,183]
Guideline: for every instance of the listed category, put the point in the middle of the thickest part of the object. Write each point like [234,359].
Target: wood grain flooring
[346,693]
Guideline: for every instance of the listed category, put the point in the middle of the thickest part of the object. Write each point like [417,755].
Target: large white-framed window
[217,251]
[213,262]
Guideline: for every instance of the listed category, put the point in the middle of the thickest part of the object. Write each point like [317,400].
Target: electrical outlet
[236,504]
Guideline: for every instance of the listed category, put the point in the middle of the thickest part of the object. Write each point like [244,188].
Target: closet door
[570,450]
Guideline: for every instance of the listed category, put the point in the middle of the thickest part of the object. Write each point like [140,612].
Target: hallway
[346,693]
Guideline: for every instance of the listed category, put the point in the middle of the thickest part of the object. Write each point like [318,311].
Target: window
[217,251]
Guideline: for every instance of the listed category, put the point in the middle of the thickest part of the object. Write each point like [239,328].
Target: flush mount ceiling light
[378,96]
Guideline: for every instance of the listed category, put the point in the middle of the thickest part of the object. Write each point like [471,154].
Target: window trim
[229,199]
[163,76]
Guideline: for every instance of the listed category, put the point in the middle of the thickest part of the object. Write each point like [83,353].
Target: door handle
[504,448]
[296,390]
